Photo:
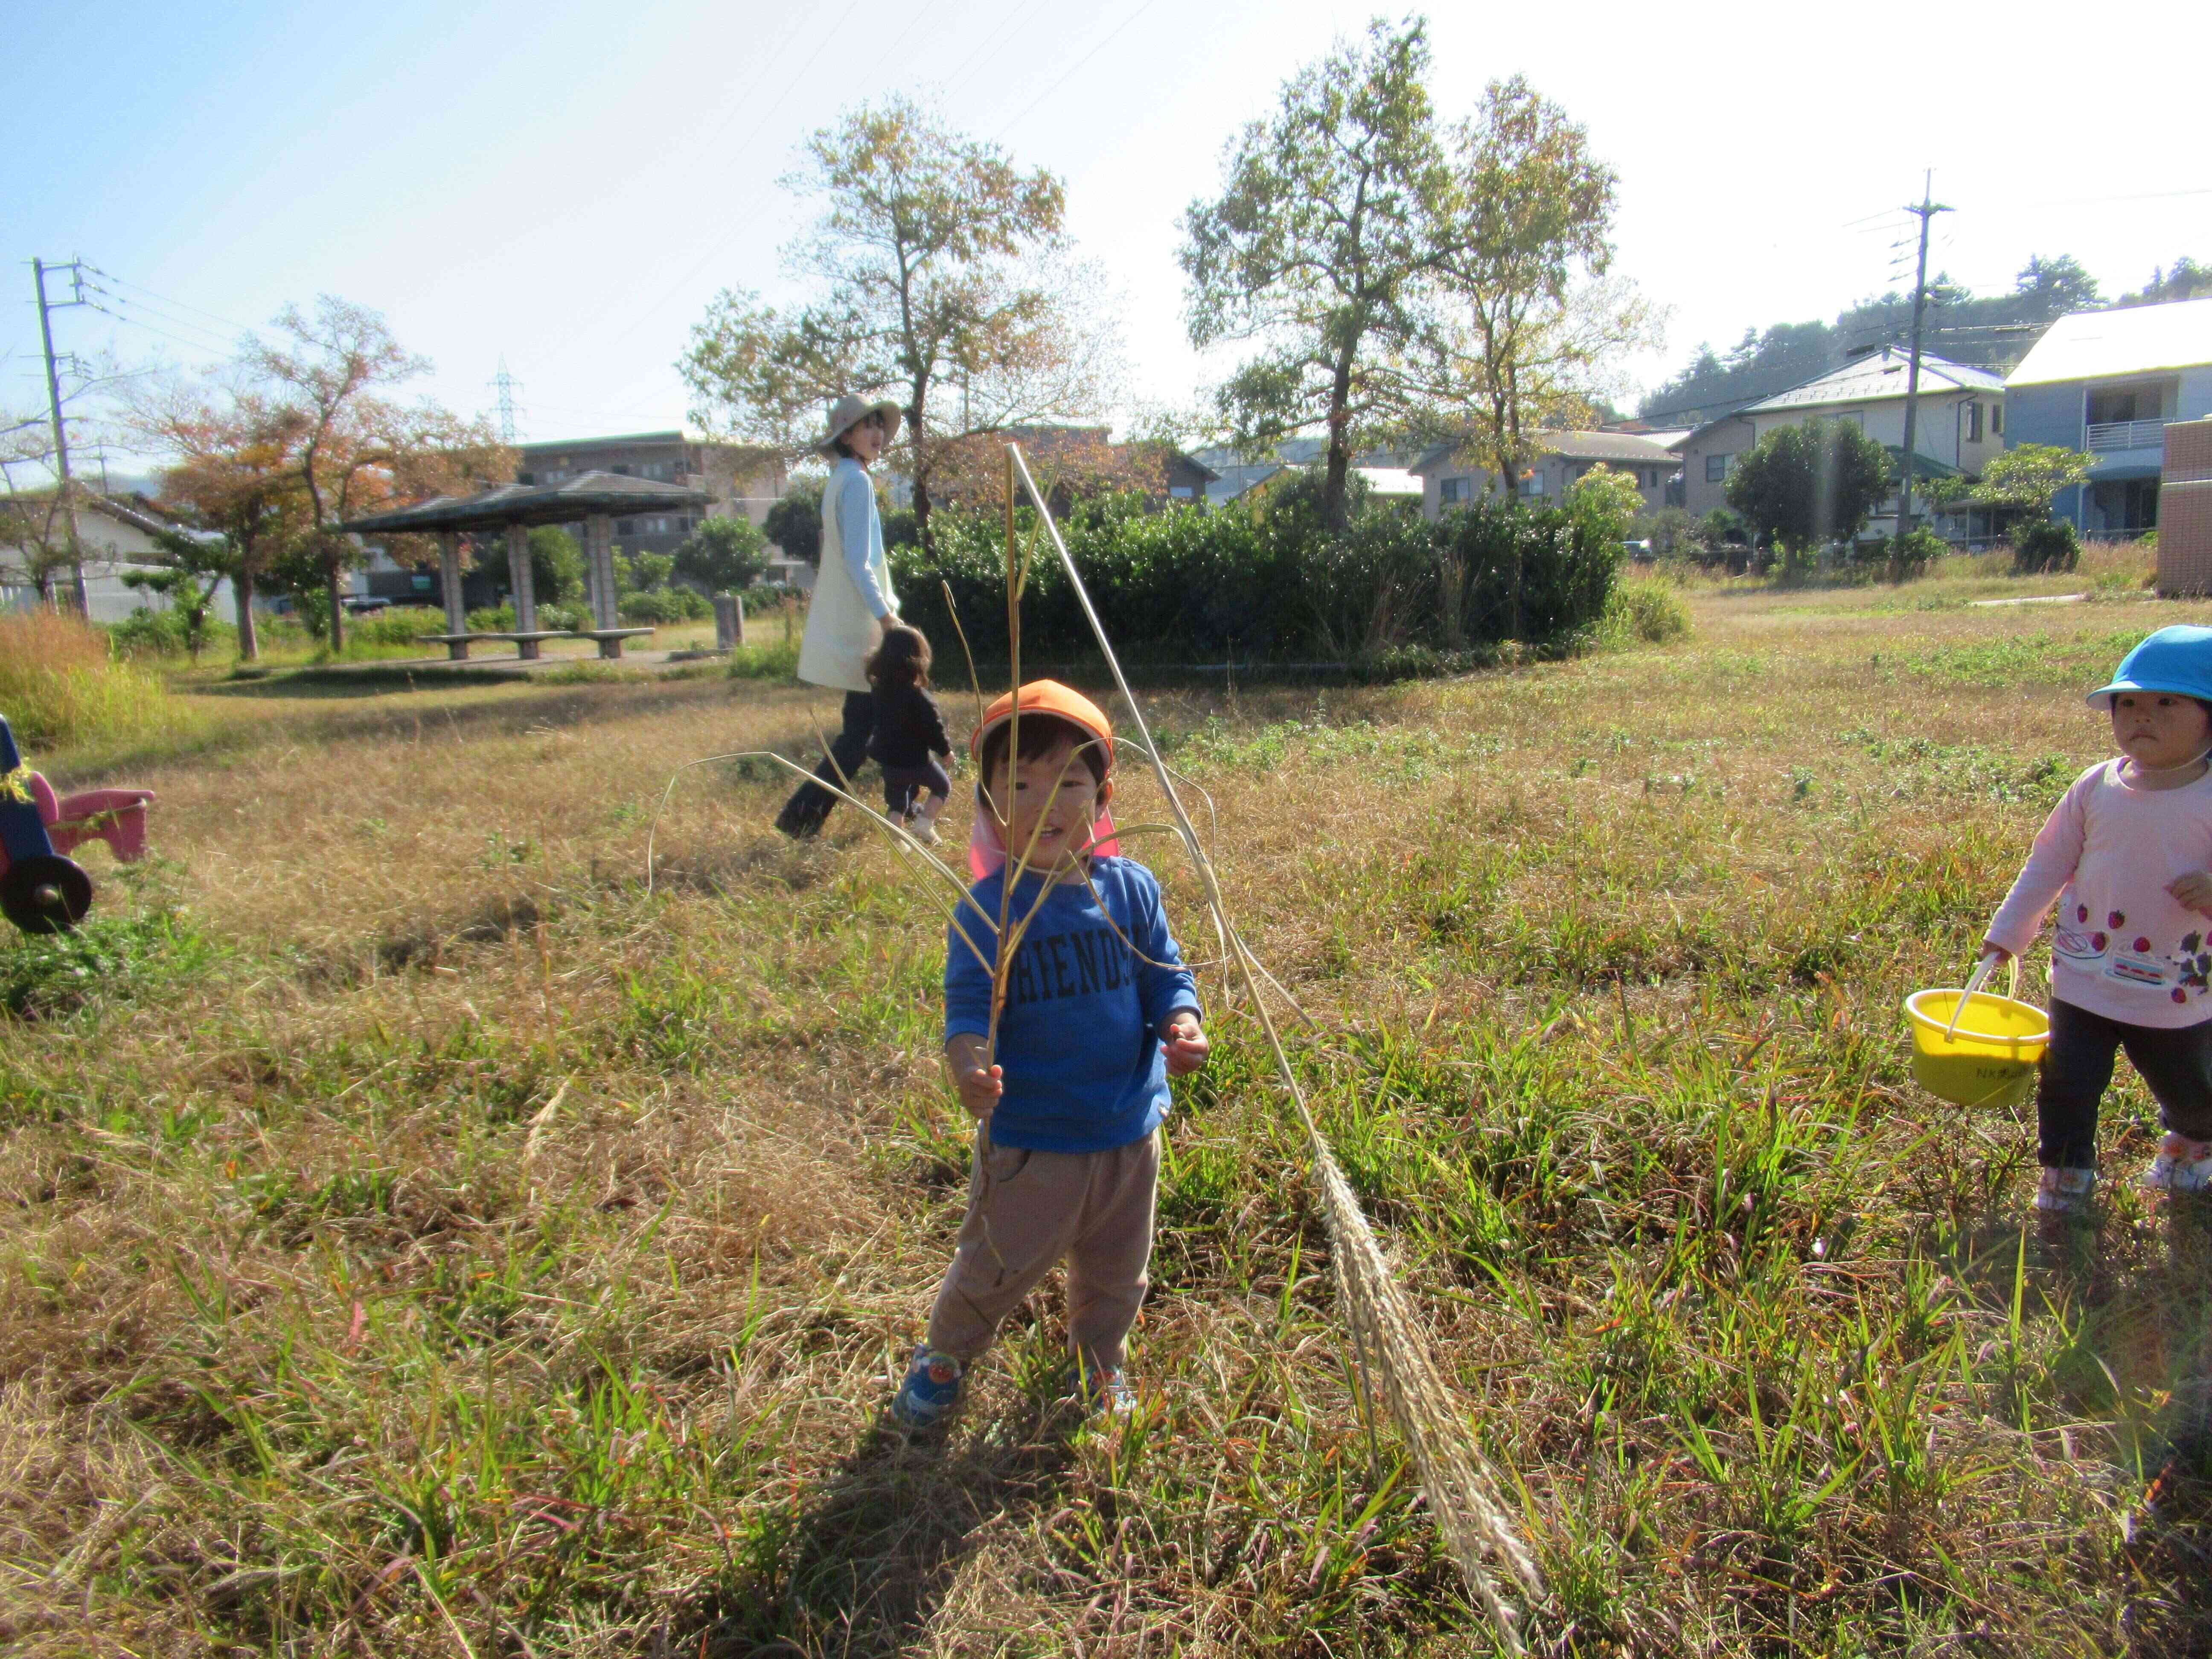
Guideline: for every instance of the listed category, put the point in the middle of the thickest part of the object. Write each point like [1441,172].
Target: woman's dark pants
[809,806]
[2175,1065]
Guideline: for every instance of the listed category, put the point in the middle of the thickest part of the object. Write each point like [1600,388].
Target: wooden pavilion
[595,499]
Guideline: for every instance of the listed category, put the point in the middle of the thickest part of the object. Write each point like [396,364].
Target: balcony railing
[2126,435]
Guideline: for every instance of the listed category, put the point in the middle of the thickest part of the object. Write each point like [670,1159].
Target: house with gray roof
[1958,426]
[1236,475]
[2110,382]
[116,535]
[1454,474]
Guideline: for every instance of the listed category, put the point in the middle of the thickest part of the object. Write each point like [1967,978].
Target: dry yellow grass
[475,1255]
[59,685]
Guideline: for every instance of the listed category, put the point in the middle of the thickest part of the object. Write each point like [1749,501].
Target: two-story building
[741,480]
[2109,382]
[1453,474]
[1959,423]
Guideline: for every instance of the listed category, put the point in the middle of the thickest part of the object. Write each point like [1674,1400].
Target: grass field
[420,1239]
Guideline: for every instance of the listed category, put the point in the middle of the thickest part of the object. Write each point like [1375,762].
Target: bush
[1644,610]
[1256,583]
[1910,555]
[2050,545]
[164,632]
[659,605]
[499,619]
[61,683]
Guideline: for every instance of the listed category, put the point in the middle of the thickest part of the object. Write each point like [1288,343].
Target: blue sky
[569,185]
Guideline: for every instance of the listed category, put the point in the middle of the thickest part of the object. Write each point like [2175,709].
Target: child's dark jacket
[1080,1036]
[908,728]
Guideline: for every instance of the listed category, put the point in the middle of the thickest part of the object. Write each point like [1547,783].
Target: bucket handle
[1982,969]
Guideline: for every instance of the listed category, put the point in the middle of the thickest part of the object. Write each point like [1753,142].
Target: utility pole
[75,268]
[1927,209]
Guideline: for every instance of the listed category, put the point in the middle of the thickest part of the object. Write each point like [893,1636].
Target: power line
[133,322]
[171,300]
[738,223]
[993,42]
[161,315]
[1077,65]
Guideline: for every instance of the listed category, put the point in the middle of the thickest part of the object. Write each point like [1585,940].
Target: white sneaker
[2182,1165]
[924,829]
[2061,1190]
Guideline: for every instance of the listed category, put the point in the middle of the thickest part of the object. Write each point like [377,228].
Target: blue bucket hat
[2177,659]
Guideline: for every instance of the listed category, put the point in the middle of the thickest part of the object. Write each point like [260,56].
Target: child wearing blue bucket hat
[2127,856]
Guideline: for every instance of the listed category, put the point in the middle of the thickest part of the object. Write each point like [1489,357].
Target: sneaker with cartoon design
[2182,1165]
[1100,1393]
[2063,1190]
[931,1390]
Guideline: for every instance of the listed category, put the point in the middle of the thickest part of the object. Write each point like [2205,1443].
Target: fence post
[729,621]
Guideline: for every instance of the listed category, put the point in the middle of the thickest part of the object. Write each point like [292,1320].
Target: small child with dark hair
[910,736]
[2127,855]
[1099,1012]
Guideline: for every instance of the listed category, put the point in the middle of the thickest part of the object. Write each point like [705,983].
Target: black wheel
[46,894]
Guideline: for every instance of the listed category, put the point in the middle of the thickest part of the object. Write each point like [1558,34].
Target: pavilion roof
[575,498]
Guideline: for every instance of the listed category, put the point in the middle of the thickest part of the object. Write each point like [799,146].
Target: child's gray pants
[1028,1211]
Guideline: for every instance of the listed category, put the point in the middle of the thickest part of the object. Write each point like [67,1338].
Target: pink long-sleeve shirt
[2123,947]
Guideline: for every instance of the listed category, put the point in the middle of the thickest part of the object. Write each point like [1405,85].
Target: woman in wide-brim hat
[853,600]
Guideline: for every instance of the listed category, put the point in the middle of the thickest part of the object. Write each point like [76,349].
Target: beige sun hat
[848,411]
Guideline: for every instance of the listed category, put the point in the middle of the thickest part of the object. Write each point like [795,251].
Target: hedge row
[1270,584]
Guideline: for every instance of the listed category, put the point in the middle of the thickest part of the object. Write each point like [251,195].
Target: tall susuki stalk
[1462,1493]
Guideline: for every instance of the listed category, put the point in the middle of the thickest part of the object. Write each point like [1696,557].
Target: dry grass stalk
[1393,1348]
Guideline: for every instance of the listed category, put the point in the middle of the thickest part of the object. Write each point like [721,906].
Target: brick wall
[2184,511]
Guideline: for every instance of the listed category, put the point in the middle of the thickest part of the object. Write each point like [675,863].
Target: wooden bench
[611,638]
[526,645]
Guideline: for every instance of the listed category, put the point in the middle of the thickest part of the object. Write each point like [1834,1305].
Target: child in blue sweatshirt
[1099,1012]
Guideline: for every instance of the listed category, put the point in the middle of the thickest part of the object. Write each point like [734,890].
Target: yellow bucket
[1990,1059]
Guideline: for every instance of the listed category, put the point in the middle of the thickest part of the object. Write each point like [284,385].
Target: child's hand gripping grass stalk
[1462,1493]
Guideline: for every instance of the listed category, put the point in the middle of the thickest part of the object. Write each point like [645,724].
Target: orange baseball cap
[1048,697]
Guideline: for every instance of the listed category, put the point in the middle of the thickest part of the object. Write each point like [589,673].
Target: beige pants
[1029,1211]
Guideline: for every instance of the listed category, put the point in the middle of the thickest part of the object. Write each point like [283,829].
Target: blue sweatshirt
[1084,1071]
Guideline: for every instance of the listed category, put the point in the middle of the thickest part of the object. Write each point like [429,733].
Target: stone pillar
[729,621]
[599,569]
[449,577]
[526,596]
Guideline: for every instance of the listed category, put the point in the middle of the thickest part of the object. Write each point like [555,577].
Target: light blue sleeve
[857,529]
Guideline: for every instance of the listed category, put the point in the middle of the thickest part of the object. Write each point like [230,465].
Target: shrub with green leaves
[1268,582]
[657,606]
[2053,544]
[1649,611]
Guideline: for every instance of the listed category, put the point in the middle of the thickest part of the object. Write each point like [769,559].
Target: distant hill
[1992,331]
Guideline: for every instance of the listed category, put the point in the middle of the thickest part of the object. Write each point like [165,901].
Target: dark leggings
[809,806]
[900,783]
[2175,1065]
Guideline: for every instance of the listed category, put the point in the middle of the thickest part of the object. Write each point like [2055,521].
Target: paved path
[2039,598]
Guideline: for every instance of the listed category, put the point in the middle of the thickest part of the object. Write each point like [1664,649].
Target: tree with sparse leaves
[1319,252]
[37,536]
[940,279]
[234,472]
[353,450]
[1526,248]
